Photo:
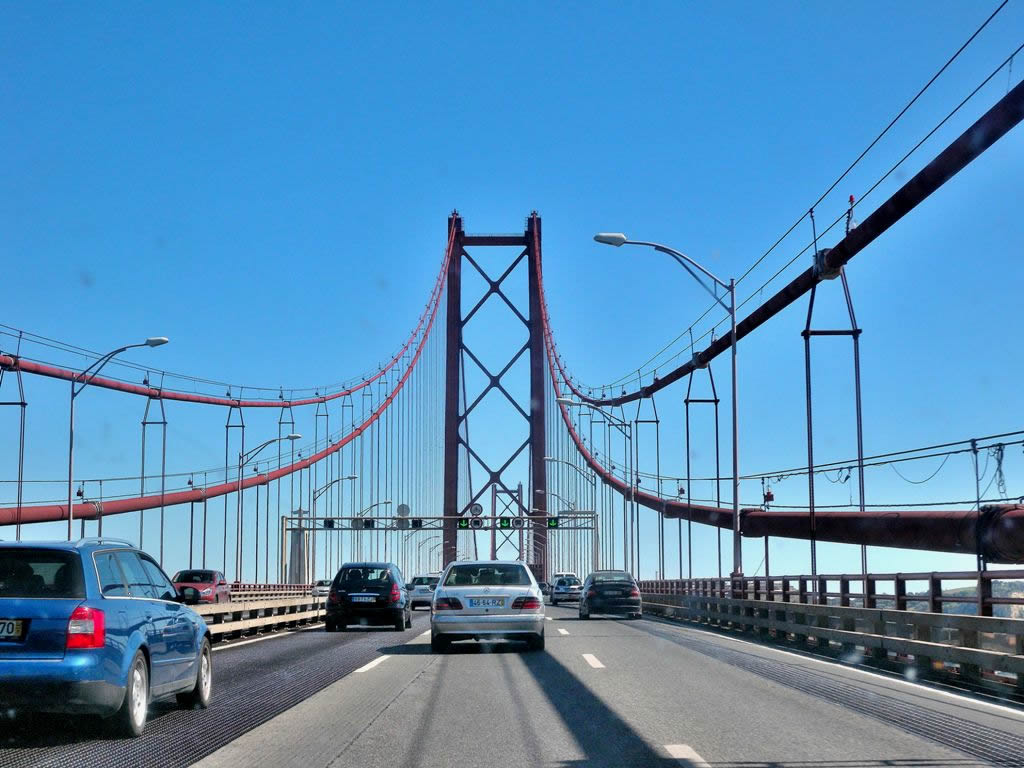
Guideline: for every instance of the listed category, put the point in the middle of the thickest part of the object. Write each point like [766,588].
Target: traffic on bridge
[608,502]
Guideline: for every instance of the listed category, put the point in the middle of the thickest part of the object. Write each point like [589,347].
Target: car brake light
[526,603]
[448,604]
[634,592]
[332,597]
[395,594]
[87,628]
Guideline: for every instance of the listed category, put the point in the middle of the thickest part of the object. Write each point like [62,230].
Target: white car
[566,589]
[421,590]
[321,589]
[487,600]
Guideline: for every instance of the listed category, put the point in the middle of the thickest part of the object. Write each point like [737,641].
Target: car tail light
[87,628]
[634,592]
[332,597]
[526,603]
[591,592]
[396,595]
[448,604]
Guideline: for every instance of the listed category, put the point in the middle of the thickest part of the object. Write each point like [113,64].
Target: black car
[610,592]
[368,594]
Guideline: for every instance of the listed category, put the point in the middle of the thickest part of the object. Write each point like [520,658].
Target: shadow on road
[605,738]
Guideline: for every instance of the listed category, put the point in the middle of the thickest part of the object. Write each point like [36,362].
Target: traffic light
[368,523]
[476,523]
[504,522]
[552,522]
[329,522]
[463,524]
[417,522]
[402,523]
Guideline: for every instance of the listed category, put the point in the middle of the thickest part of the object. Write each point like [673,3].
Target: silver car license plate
[10,629]
[487,602]
[613,592]
[363,598]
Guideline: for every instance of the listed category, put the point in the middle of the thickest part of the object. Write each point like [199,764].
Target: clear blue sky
[269,186]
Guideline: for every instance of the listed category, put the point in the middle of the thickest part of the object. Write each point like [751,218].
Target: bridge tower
[458,408]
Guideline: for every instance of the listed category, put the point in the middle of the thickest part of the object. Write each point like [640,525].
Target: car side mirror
[188,595]
[410,585]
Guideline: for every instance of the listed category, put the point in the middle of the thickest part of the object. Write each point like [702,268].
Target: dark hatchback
[610,592]
[369,594]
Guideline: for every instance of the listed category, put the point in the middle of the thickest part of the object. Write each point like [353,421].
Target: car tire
[130,719]
[536,642]
[584,615]
[439,643]
[199,696]
[400,622]
[330,626]
[636,615]
[408,620]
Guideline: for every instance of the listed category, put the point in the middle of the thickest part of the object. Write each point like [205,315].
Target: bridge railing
[978,650]
[261,612]
[249,592]
[932,592]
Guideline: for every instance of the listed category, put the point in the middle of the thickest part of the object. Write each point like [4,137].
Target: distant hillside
[999,589]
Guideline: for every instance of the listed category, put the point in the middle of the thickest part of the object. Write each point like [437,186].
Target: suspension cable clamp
[820,270]
[698,362]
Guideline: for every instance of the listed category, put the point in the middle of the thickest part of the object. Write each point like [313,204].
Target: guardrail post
[822,590]
[802,589]
[984,594]
[934,592]
[1019,650]
[923,664]
[900,588]
[844,592]
[787,595]
[869,592]
[969,639]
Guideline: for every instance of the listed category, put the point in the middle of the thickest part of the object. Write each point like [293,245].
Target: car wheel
[637,615]
[584,614]
[400,622]
[130,719]
[439,643]
[199,696]
[408,620]
[330,626]
[536,642]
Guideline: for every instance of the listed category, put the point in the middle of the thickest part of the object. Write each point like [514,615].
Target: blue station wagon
[96,627]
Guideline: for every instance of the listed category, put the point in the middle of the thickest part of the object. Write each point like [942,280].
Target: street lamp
[586,476]
[384,503]
[618,239]
[570,504]
[84,378]
[243,459]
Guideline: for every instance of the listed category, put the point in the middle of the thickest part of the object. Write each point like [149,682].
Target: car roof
[70,546]
[489,562]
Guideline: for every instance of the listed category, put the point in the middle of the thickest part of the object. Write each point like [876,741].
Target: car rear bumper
[69,685]
[614,605]
[370,615]
[508,625]
[566,597]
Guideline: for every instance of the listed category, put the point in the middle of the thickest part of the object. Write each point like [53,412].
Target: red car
[212,586]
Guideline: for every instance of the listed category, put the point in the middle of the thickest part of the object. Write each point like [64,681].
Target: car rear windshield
[323,583]
[350,579]
[426,581]
[568,582]
[487,576]
[614,576]
[40,573]
[194,577]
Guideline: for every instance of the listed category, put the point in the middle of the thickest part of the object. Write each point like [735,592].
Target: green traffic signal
[504,522]
[552,522]
[463,523]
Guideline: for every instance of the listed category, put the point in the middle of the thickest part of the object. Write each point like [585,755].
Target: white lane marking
[686,755]
[424,634]
[563,631]
[548,618]
[372,664]
[240,643]
[593,661]
[876,676]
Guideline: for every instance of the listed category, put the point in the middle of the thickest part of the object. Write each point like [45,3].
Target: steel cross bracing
[457,411]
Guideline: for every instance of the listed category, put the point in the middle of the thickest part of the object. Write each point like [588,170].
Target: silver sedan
[485,600]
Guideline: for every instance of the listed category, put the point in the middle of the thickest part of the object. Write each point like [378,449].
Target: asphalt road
[623,693]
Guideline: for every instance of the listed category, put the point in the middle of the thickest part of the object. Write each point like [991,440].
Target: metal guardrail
[971,649]
[266,610]
[903,591]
